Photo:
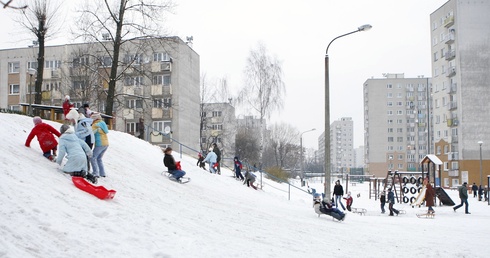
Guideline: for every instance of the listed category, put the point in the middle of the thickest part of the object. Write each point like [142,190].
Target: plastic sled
[98,191]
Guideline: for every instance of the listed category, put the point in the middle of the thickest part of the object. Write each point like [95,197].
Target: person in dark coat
[480,193]
[218,160]
[474,188]
[463,195]
[44,134]
[430,194]
[382,199]
[238,169]
[326,207]
[200,161]
[391,201]
[338,192]
[169,162]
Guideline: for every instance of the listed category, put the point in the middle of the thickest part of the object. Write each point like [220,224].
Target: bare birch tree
[112,23]
[264,88]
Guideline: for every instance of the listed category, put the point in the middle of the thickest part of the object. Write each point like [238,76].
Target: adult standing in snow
[169,162]
[463,195]
[474,188]
[67,105]
[382,199]
[211,158]
[218,157]
[480,193]
[238,168]
[76,151]
[430,194]
[391,201]
[44,134]
[100,130]
[338,192]
[348,201]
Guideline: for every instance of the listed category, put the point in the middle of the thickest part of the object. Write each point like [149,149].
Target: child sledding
[326,208]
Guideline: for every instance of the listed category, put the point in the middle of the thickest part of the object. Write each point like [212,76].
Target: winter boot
[91,178]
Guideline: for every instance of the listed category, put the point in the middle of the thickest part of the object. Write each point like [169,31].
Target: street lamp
[301,148]
[327,112]
[32,72]
[481,168]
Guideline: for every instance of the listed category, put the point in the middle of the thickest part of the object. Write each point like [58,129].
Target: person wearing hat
[44,134]
[218,157]
[76,152]
[169,162]
[211,157]
[67,105]
[463,195]
[99,127]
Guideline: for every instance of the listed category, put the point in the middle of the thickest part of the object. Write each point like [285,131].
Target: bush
[277,174]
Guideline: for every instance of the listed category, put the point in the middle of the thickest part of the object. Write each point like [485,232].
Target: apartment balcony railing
[449,21]
[450,55]
[451,71]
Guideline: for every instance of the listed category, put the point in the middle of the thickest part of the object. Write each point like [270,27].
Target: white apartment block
[460,47]
[341,145]
[158,90]
[396,125]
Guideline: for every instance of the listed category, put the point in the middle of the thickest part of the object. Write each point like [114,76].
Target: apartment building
[157,94]
[342,149]
[396,123]
[219,126]
[460,47]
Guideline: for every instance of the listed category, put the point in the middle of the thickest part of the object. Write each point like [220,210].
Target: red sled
[98,191]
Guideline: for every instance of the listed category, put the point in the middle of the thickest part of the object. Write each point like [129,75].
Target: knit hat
[63,128]
[95,116]
[37,120]
[67,97]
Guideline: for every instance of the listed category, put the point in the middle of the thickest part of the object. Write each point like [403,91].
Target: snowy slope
[44,215]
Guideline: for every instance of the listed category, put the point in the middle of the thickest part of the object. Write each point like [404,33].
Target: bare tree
[7,5]
[264,88]
[112,23]
[283,146]
[39,18]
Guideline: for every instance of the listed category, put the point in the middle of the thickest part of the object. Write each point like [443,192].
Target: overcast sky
[297,33]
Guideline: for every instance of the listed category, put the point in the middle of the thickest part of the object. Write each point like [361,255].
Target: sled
[183,180]
[426,215]
[360,211]
[98,191]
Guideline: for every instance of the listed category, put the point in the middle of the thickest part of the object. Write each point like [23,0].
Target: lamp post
[327,112]
[301,154]
[32,72]
[481,168]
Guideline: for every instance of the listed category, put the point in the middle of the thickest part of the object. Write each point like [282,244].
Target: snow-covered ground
[44,215]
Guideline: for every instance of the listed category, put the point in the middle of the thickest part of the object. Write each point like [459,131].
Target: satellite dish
[167,129]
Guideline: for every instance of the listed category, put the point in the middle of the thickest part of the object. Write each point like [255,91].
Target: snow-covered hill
[44,215]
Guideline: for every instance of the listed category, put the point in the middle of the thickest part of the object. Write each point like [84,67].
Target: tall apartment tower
[219,126]
[342,145]
[157,95]
[396,125]
[342,157]
[460,47]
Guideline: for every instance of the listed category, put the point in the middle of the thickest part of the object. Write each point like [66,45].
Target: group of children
[82,130]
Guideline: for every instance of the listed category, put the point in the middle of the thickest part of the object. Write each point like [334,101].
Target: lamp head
[32,71]
[480,142]
[365,27]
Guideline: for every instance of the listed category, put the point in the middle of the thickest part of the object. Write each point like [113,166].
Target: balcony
[449,21]
[159,113]
[449,39]
[160,90]
[452,156]
[450,55]
[453,88]
[451,71]
[454,139]
[452,105]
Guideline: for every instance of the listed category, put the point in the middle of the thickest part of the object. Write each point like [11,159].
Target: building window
[446,149]
[390,121]
[159,57]
[162,103]
[399,112]
[389,103]
[52,64]
[160,125]
[399,130]
[389,112]
[14,89]
[79,85]
[390,139]
[389,86]
[106,61]
[390,130]
[131,127]
[216,113]
[399,139]
[133,81]
[14,67]
[32,65]
[389,95]
[134,103]
[217,127]
[438,152]
[80,61]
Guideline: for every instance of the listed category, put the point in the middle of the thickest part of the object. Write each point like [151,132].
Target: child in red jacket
[349,201]
[44,134]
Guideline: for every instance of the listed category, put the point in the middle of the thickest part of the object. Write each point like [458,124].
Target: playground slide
[443,197]
[420,198]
